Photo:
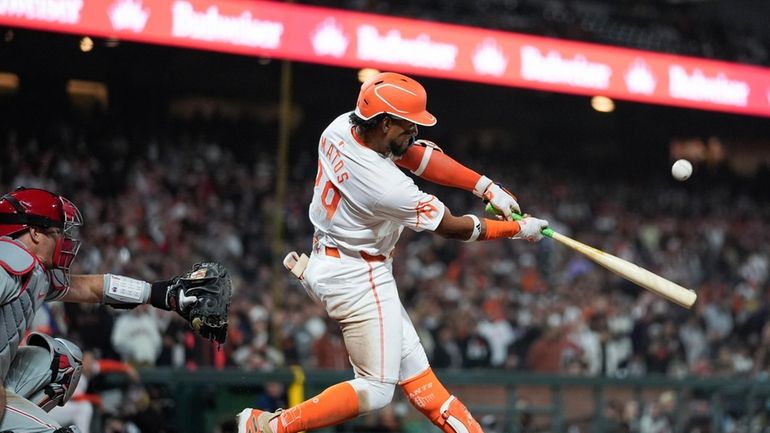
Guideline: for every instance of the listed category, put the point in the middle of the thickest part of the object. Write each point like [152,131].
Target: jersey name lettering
[334,157]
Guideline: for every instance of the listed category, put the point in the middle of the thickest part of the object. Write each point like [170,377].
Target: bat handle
[491,210]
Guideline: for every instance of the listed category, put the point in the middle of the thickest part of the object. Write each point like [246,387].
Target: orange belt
[334,252]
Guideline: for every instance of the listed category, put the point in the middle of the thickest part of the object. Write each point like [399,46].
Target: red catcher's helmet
[32,207]
[395,94]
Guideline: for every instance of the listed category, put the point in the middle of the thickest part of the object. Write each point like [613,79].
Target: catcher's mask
[32,207]
[395,94]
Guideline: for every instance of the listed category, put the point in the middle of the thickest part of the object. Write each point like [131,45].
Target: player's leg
[365,304]
[425,391]
[79,413]
[43,374]
[46,371]
[23,416]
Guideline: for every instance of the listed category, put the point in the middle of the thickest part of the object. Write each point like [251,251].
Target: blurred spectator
[81,408]
[272,398]
[654,420]
[328,350]
[136,337]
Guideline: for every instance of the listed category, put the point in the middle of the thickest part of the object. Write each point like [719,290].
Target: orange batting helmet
[395,94]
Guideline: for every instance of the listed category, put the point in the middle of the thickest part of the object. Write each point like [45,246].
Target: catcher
[38,242]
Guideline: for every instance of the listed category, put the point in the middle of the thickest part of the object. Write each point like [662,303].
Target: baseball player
[38,242]
[362,201]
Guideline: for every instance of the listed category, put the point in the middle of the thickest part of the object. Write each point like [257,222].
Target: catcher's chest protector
[23,288]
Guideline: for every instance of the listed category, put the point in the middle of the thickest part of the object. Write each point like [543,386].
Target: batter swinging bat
[625,269]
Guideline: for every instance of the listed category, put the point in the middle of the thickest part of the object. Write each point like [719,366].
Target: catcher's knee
[46,370]
[372,394]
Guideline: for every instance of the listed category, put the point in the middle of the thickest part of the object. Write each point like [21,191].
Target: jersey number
[330,195]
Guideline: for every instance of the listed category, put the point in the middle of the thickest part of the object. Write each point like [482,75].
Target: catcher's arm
[119,291]
[201,296]
[427,160]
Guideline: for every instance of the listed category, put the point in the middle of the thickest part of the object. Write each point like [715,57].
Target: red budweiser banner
[342,38]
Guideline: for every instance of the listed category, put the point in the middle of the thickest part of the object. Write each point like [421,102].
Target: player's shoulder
[14,258]
[339,126]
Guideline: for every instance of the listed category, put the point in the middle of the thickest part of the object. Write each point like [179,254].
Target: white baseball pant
[361,295]
[30,370]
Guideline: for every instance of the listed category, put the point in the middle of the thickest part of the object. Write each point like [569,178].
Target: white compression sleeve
[120,290]
[481,186]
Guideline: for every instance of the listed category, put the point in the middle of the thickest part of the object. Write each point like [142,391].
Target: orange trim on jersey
[357,138]
[427,209]
[441,169]
[499,229]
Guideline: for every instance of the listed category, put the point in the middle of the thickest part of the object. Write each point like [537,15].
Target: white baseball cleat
[255,420]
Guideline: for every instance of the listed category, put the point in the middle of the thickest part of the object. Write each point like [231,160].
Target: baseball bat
[623,268]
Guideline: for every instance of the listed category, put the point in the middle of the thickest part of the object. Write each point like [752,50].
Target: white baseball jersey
[361,199]
[361,203]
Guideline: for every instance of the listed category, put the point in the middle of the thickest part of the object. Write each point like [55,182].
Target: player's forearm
[115,290]
[85,289]
[431,164]
[486,229]
[471,228]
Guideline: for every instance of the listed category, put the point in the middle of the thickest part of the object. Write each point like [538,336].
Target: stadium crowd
[493,305]
[155,204]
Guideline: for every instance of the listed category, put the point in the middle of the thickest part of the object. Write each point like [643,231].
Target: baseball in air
[681,170]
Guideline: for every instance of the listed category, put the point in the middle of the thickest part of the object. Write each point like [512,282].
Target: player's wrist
[123,292]
[494,229]
[476,228]
[159,291]
[481,186]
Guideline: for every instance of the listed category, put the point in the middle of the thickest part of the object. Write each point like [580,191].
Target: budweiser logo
[639,78]
[211,25]
[128,15]
[697,86]
[392,47]
[488,58]
[54,11]
[577,71]
[329,39]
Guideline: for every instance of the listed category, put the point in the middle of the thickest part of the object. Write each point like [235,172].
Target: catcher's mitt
[210,284]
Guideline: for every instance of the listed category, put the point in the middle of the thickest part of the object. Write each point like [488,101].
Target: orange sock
[334,405]
[428,395]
